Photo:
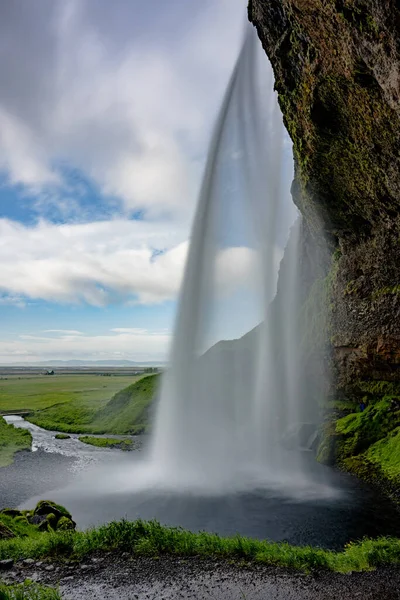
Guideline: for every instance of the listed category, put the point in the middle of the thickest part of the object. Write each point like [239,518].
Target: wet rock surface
[121,576]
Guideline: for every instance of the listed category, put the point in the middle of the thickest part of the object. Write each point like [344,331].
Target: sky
[106,110]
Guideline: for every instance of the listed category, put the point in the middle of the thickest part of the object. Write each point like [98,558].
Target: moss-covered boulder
[47,507]
[65,524]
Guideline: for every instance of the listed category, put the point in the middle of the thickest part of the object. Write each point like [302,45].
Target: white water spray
[225,406]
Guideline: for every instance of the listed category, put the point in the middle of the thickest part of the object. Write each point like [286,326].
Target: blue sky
[106,110]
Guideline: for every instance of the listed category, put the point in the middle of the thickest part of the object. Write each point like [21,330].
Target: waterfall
[232,387]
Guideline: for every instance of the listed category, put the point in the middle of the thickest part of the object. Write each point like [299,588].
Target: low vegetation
[33,393]
[121,444]
[367,443]
[28,591]
[62,436]
[152,539]
[125,413]
[12,440]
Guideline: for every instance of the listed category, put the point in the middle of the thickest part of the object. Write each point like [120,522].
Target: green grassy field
[100,412]
[36,393]
[11,441]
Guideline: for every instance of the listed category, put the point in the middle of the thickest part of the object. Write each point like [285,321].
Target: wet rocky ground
[123,577]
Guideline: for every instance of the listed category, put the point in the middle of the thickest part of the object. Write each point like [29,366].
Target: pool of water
[99,485]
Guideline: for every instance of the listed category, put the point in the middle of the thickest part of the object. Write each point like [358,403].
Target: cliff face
[337,72]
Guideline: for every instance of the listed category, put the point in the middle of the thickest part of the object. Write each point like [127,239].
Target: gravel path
[121,577]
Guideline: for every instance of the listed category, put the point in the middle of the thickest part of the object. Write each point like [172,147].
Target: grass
[75,405]
[41,392]
[122,444]
[128,411]
[12,440]
[62,436]
[28,591]
[386,454]
[152,539]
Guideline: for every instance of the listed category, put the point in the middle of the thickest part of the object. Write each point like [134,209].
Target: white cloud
[104,262]
[130,108]
[64,331]
[96,263]
[139,345]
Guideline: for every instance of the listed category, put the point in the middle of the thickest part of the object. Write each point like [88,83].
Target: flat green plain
[32,393]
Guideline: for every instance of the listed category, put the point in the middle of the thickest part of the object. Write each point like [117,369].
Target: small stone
[85,567]
[125,555]
[97,560]
[49,568]
[39,563]
[28,561]
[68,578]
[6,564]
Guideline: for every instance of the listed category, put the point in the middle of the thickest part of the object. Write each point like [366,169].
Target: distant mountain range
[88,363]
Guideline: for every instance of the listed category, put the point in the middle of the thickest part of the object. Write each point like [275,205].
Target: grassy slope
[37,393]
[125,413]
[368,444]
[152,539]
[11,441]
[128,411]
[73,400]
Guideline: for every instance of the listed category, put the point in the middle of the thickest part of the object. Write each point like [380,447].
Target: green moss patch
[62,436]
[12,440]
[120,444]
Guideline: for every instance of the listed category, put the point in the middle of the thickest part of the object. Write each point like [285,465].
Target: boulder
[11,512]
[66,524]
[47,507]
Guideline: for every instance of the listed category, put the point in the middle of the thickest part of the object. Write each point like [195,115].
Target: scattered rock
[49,568]
[28,561]
[6,564]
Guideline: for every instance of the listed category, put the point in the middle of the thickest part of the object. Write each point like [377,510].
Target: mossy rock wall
[337,74]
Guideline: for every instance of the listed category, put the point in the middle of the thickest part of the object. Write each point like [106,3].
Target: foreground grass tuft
[28,591]
[12,440]
[152,539]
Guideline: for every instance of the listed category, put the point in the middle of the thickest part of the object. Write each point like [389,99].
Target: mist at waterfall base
[222,455]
